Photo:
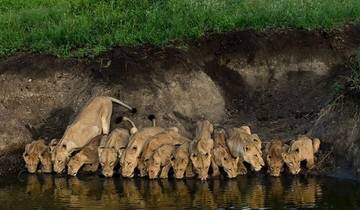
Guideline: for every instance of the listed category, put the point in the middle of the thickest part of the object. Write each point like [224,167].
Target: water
[93,192]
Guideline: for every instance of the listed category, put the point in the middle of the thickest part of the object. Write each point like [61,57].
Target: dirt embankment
[281,83]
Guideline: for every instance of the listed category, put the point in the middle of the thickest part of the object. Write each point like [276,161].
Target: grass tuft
[88,27]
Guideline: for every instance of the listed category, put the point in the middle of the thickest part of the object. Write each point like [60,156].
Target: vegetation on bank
[89,27]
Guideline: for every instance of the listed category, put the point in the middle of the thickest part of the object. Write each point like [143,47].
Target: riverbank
[281,83]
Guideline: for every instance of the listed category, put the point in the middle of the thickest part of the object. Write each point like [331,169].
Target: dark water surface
[93,192]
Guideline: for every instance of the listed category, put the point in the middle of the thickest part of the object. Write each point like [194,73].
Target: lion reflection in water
[143,194]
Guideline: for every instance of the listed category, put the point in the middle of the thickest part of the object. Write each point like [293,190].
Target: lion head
[61,157]
[253,155]
[292,160]
[180,160]
[108,158]
[46,163]
[74,165]
[245,145]
[142,167]
[274,159]
[154,167]
[201,164]
[227,161]
[32,153]
[129,161]
[179,166]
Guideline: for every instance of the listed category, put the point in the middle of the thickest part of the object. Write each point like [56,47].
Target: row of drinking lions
[88,143]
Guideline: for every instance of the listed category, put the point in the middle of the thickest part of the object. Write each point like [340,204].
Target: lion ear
[284,155]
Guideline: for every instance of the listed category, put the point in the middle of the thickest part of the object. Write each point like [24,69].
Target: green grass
[89,27]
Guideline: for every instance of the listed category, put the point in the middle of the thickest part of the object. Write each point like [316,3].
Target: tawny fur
[160,161]
[32,154]
[201,147]
[180,161]
[246,146]
[221,156]
[273,158]
[46,157]
[111,148]
[86,156]
[93,120]
[303,148]
[170,136]
[130,158]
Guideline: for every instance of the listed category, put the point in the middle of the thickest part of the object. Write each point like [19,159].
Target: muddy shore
[281,83]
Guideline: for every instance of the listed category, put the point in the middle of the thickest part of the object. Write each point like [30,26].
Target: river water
[259,192]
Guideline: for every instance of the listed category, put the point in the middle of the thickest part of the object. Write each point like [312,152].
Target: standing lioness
[93,120]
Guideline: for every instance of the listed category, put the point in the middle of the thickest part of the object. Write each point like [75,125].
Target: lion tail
[152,118]
[132,109]
[133,126]
[316,144]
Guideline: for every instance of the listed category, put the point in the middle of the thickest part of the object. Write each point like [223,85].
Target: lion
[37,153]
[130,158]
[46,157]
[201,147]
[169,136]
[52,145]
[246,146]
[273,156]
[180,161]
[221,156]
[160,161]
[111,148]
[87,157]
[303,148]
[92,121]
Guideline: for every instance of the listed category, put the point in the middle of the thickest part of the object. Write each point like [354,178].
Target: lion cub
[200,149]
[92,121]
[32,154]
[246,146]
[180,161]
[170,136]
[87,157]
[111,148]
[46,157]
[303,148]
[221,156]
[131,156]
[160,161]
[273,157]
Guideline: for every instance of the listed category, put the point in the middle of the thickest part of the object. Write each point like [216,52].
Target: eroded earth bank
[281,83]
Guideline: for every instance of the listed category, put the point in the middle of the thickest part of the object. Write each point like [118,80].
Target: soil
[279,82]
